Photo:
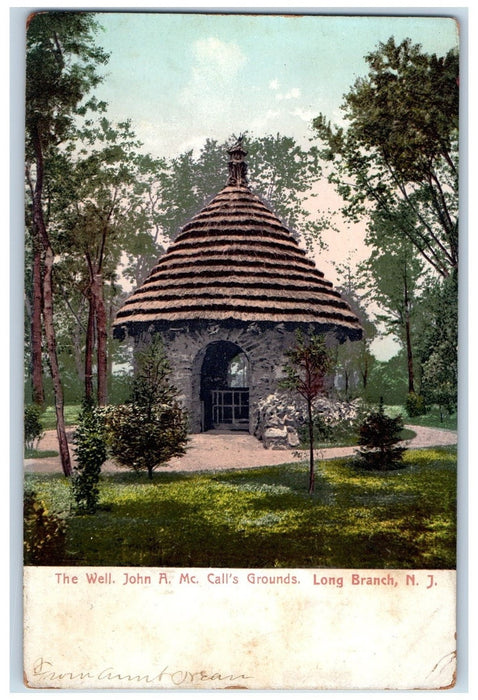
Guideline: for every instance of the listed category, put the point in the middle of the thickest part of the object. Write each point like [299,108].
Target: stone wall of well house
[185,345]
[265,346]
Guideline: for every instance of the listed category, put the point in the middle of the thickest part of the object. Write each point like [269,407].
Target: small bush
[33,427]
[90,451]
[323,430]
[379,435]
[152,427]
[143,440]
[415,405]
[44,534]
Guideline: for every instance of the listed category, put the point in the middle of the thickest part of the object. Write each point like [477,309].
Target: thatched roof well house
[235,260]
[226,299]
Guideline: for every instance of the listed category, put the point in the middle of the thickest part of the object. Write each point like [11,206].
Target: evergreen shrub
[415,405]
[151,427]
[379,436]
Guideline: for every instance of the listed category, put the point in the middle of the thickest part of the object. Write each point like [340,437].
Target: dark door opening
[225,388]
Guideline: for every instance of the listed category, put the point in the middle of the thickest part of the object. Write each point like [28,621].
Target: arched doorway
[224,391]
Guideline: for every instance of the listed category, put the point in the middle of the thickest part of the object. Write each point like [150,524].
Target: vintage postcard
[241,333]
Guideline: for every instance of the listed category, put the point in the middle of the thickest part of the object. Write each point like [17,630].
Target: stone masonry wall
[186,345]
[274,417]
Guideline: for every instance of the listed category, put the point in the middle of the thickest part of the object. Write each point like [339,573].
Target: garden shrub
[44,534]
[90,451]
[379,436]
[415,405]
[143,440]
[323,430]
[33,427]
[152,427]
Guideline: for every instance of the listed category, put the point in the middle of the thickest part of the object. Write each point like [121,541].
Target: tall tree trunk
[47,310]
[53,360]
[411,382]
[89,347]
[77,342]
[408,337]
[365,366]
[101,339]
[311,446]
[36,328]
[109,369]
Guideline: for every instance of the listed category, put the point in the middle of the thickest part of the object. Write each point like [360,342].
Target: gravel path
[216,450]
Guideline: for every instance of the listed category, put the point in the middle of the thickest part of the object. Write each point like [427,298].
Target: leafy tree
[90,451]
[95,223]
[148,207]
[354,360]
[152,427]
[388,379]
[279,171]
[308,364]
[61,66]
[439,348]
[282,174]
[378,436]
[394,276]
[398,152]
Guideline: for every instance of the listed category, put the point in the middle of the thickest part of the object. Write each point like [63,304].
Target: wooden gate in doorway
[230,409]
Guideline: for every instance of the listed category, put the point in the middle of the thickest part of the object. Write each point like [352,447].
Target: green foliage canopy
[400,145]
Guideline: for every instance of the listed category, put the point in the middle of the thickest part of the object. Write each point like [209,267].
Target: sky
[182,78]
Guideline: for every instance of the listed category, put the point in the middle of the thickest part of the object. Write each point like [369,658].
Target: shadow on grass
[263,517]
[290,477]
[184,537]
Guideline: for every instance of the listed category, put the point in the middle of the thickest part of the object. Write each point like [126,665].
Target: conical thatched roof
[235,260]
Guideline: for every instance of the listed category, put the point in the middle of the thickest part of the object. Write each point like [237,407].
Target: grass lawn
[264,517]
[432,419]
[350,440]
[39,454]
[48,417]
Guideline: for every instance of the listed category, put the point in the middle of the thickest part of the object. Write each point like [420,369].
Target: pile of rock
[279,417]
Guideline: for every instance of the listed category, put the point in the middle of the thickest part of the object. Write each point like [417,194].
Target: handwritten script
[43,670]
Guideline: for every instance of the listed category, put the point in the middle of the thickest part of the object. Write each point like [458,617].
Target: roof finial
[237,165]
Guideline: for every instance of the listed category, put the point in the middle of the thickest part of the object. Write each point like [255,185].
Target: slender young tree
[308,364]
[96,221]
